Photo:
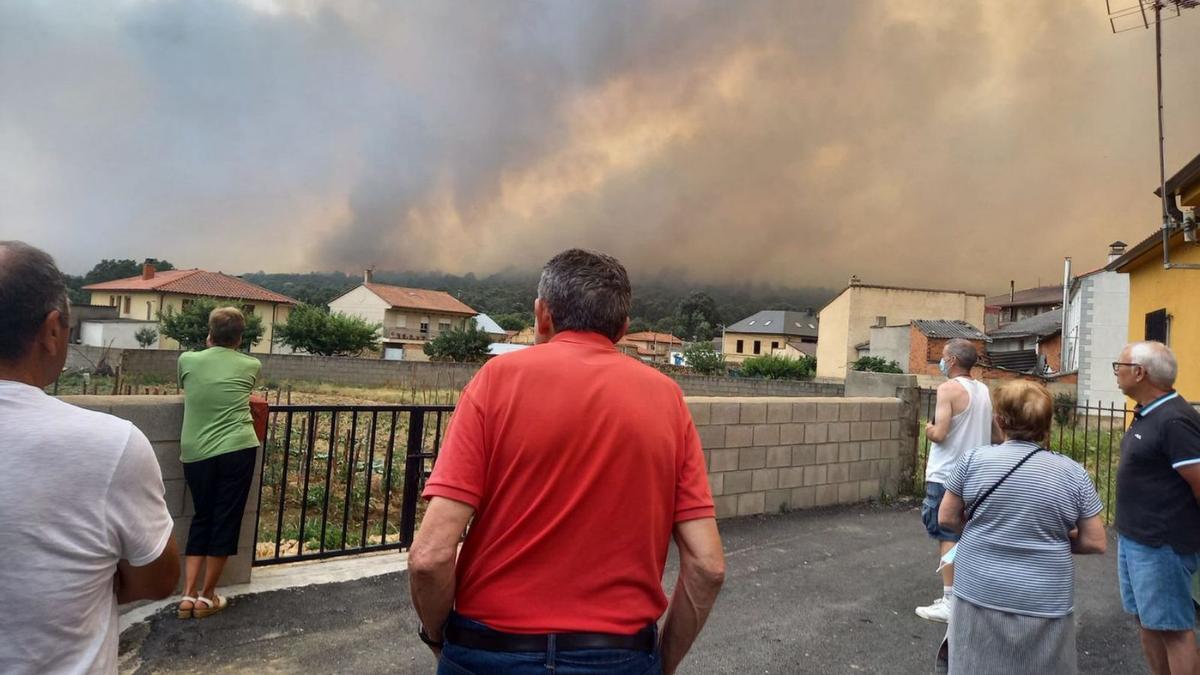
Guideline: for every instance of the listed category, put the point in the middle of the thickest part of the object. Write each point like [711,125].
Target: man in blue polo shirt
[1158,508]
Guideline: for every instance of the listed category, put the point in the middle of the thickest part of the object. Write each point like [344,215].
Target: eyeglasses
[1117,366]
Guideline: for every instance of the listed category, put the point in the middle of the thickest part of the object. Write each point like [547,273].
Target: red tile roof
[420,298]
[651,336]
[195,282]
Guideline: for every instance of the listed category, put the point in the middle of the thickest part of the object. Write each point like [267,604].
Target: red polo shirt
[579,461]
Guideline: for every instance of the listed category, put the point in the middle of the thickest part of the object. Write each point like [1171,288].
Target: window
[739,347]
[425,325]
[400,320]
[443,325]
[187,302]
[1158,324]
[774,345]
[757,347]
[247,310]
[128,305]
[148,311]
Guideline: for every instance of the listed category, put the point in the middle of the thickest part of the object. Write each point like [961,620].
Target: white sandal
[186,613]
[216,604]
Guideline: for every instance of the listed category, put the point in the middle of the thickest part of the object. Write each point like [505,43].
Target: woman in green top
[219,448]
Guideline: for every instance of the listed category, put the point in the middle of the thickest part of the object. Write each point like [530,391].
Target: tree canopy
[316,331]
[189,327]
[459,344]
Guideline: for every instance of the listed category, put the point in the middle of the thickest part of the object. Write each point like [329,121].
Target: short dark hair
[586,291]
[226,325]
[30,288]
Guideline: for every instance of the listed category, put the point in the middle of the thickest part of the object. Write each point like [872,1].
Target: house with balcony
[138,301]
[410,317]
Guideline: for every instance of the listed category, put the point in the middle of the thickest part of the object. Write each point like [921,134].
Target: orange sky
[908,142]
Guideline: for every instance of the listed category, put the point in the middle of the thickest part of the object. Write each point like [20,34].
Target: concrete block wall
[767,456]
[161,419]
[452,376]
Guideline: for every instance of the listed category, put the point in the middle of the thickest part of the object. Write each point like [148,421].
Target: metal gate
[333,481]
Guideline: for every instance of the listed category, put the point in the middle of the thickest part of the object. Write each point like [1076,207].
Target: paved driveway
[825,591]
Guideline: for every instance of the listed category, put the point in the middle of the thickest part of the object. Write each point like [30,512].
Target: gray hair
[963,351]
[30,288]
[1158,362]
[586,291]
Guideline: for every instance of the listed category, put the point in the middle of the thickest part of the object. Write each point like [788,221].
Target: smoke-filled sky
[947,144]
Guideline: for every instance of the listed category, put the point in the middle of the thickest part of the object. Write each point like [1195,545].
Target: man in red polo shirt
[575,465]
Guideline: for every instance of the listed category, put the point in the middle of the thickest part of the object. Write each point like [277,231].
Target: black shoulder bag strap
[978,502]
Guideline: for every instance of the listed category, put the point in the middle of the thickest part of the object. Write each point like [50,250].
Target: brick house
[917,346]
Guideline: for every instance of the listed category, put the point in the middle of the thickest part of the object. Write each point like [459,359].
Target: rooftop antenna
[1141,14]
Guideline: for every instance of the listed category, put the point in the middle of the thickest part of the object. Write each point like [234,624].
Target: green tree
[697,317]
[190,327]
[108,270]
[513,321]
[876,364]
[146,337]
[779,367]
[459,344]
[313,330]
[704,360]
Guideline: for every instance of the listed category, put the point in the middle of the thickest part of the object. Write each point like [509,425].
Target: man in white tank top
[962,421]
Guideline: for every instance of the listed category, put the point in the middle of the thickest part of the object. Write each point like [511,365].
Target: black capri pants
[219,488]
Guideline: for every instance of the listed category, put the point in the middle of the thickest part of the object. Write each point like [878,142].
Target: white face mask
[944,367]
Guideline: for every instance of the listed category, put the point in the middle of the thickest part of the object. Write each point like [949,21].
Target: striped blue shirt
[1014,555]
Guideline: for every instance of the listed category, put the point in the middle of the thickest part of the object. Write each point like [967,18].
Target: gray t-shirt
[1014,555]
[79,491]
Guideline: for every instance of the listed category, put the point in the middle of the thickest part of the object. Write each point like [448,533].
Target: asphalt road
[822,591]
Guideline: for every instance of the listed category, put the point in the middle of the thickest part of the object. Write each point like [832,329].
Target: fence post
[413,466]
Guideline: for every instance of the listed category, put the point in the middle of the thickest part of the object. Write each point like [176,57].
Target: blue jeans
[1156,584]
[459,660]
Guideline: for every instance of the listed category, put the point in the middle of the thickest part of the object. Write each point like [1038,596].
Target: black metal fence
[1088,432]
[341,479]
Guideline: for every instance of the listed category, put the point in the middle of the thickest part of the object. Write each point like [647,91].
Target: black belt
[496,641]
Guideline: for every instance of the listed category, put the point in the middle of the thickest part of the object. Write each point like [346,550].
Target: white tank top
[969,429]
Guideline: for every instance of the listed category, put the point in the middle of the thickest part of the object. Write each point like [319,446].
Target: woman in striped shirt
[1025,511]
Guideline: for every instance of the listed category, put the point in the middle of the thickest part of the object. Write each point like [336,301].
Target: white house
[1097,328]
[410,317]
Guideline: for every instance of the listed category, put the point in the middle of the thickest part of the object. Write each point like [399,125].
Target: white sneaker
[939,611]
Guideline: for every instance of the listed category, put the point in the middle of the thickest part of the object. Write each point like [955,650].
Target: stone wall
[349,371]
[793,453]
[161,418]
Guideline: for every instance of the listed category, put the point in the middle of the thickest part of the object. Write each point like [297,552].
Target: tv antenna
[1143,14]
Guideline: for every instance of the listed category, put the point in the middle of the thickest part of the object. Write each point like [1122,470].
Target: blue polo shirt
[1155,505]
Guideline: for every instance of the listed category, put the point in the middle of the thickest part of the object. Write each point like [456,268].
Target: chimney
[854,280]
[1116,250]
[369,275]
[1012,290]
[148,269]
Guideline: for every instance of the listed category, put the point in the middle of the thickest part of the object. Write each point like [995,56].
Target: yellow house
[774,332]
[143,297]
[846,321]
[1164,304]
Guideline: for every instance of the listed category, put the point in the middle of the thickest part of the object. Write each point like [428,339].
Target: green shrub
[774,367]
[875,364]
[1064,409]
[704,360]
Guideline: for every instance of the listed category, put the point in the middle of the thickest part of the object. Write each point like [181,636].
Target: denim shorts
[1156,584]
[929,512]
